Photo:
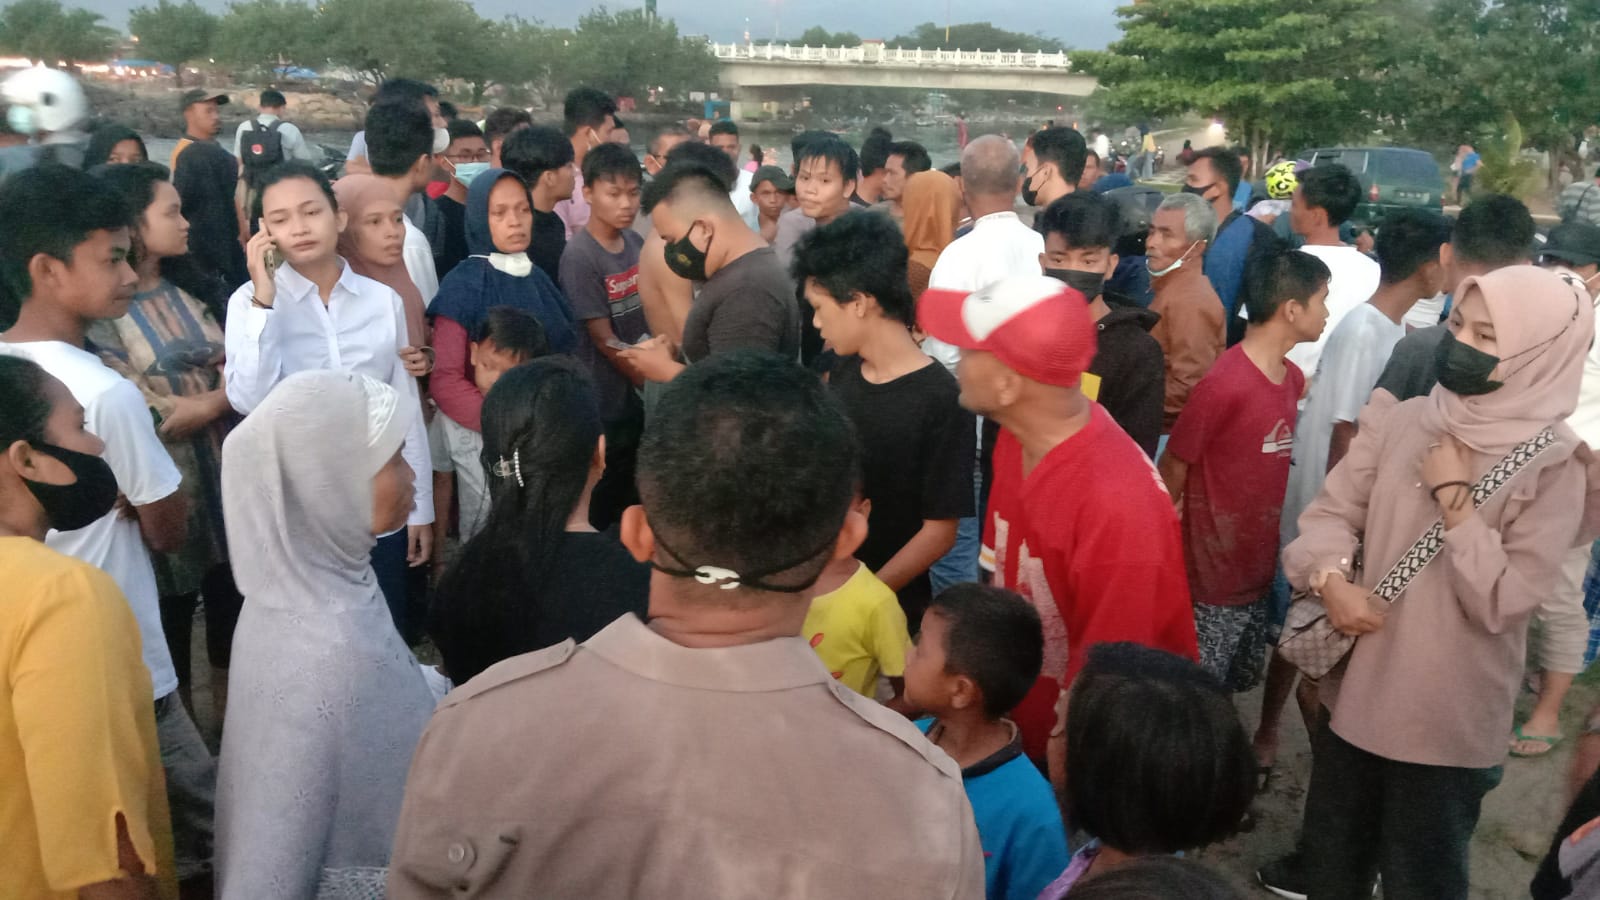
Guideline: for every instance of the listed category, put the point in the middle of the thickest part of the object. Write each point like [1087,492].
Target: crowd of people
[822,531]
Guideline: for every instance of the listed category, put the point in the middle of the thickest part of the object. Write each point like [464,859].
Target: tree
[627,52]
[173,34]
[1279,73]
[43,31]
[973,36]
[817,36]
[262,35]
[387,38]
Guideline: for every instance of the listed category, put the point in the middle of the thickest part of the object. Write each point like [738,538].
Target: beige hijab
[930,202]
[356,193]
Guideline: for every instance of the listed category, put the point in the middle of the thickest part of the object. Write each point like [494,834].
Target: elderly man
[1190,330]
[720,758]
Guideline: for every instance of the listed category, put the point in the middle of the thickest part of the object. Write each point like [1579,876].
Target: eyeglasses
[467,156]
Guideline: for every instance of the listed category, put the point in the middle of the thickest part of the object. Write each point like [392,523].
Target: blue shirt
[1019,824]
[1225,259]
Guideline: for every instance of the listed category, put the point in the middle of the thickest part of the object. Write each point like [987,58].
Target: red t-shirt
[1237,435]
[1090,538]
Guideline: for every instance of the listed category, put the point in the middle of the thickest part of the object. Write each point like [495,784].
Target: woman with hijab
[1421,705]
[326,703]
[372,243]
[114,144]
[932,205]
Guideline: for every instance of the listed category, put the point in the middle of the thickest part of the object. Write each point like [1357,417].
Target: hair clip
[503,469]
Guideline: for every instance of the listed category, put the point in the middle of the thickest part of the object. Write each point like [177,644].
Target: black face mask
[685,259]
[1197,191]
[69,507]
[1089,284]
[1030,194]
[1465,370]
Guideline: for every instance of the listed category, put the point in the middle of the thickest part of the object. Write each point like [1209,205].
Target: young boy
[772,190]
[978,655]
[64,251]
[1126,376]
[1227,464]
[600,276]
[916,440]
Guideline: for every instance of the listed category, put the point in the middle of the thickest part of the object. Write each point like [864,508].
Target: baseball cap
[1036,325]
[779,178]
[1577,243]
[201,95]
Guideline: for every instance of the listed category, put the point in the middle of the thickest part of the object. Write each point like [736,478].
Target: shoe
[1285,876]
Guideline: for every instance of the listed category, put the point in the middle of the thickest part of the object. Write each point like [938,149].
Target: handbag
[1310,642]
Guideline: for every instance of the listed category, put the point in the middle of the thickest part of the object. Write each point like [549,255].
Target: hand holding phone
[262,258]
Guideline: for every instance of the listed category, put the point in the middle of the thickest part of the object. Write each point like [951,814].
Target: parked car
[1391,178]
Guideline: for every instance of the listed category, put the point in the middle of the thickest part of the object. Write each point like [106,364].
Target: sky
[1091,24]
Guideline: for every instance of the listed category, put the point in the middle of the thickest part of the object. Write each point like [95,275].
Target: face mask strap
[728,579]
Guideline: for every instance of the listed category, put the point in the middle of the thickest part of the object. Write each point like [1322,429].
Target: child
[772,190]
[1157,760]
[979,653]
[600,276]
[1227,464]
[857,626]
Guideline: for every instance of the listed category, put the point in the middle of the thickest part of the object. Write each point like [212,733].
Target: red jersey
[1237,435]
[1090,538]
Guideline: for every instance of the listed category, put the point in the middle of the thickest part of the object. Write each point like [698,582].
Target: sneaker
[1285,877]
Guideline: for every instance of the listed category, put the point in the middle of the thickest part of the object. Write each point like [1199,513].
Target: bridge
[756,74]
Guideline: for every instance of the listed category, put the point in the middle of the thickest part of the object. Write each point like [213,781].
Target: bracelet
[258,304]
[1434,491]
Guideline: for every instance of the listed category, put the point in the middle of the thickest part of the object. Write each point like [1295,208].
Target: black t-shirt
[206,177]
[916,460]
[747,303]
[452,246]
[1413,370]
[549,242]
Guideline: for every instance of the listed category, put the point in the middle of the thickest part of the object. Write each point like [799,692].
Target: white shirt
[1426,313]
[1585,419]
[115,412]
[360,329]
[1351,363]
[740,195]
[1355,280]
[1102,146]
[418,256]
[998,247]
[293,142]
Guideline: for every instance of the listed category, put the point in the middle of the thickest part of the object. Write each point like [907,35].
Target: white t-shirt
[1351,362]
[1426,313]
[998,247]
[1355,280]
[115,412]
[742,201]
[418,256]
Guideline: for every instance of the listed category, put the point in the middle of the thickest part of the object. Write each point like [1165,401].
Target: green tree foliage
[817,36]
[260,35]
[391,38]
[627,52]
[174,33]
[43,30]
[973,36]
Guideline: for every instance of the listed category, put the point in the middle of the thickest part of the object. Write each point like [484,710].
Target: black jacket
[1132,372]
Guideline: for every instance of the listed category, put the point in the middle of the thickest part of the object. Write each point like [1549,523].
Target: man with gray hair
[1190,331]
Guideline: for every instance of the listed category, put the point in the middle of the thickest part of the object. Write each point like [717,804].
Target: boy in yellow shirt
[857,627]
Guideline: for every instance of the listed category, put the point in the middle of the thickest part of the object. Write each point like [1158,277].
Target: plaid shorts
[1233,641]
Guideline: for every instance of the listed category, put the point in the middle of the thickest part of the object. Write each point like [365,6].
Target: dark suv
[1391,178]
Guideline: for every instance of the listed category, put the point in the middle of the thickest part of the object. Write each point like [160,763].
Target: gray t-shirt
[1411,371]
[748,303]
[600,284]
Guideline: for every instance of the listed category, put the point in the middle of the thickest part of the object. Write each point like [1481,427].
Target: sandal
[1264,777]
[1549,743]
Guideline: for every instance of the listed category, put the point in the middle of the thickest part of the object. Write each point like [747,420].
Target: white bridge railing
[878,54]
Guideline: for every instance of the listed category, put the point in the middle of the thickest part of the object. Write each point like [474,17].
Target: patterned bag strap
[1432,541]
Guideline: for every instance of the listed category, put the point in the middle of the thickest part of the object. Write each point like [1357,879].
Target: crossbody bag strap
[1432,541]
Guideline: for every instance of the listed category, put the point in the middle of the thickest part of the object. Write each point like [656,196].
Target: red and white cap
[1036,325]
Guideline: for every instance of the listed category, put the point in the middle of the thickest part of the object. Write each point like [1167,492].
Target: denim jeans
[961,563]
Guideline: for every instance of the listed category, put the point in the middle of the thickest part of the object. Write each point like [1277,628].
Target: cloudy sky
[1090,24]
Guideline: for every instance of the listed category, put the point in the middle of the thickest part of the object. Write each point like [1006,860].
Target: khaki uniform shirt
[631,766]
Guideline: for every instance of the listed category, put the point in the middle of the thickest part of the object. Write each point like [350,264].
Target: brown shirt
[1190,333]
[631,766]
[1436,684]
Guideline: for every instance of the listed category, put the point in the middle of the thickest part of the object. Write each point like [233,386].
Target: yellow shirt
[77,729]
[859,631]
[177,151]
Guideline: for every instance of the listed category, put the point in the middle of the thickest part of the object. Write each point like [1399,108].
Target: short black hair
[995,638]
[861,251]
[1064,148]
[531,152]
[448,111]
[913,156]
[709,157]
[836,151]
[666,132]
[1157,759]
[1156,878]
[504,120]
[24,410]
[407,90]
[685,178]
[874,150]
[1492,230]
[611,161]
[273,98]
[465,128]
[1225,163]
[953,170]
[799,141]
[1407,240]
[724,126]
[103,139]
[1278,276]
[51,210]
[512,330]
[397,134]
[1333,189]
[285,171]
[586,107]
[1083,220]
[748,463]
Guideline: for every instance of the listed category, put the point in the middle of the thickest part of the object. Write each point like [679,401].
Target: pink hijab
[356,193]
[1543,325]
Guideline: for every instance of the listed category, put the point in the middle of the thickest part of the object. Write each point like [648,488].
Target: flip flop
[1549,743]
[1263,778]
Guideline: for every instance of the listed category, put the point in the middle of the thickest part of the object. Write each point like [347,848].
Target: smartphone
[617,343]
[272,257]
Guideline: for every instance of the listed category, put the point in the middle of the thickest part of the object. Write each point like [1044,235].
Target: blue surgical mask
[20,118]
[465,172]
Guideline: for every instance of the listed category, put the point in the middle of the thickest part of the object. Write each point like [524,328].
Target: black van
[1391,178]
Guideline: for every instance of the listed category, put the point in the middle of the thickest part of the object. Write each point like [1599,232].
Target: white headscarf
[325,701]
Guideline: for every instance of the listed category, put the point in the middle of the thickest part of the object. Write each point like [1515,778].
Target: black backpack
[261,149]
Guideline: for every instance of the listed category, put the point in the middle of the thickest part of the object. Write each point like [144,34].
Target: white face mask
[441,140]
[1176,265]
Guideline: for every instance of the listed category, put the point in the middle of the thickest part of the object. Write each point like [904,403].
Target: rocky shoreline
[152,109]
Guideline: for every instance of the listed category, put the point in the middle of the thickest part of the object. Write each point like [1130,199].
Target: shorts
[1233,642]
